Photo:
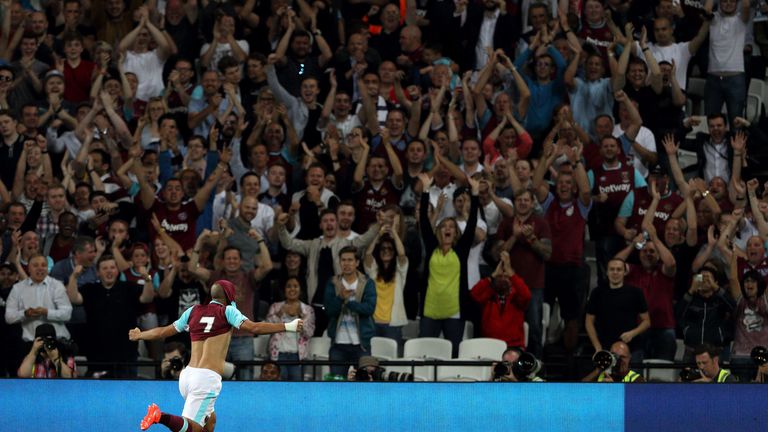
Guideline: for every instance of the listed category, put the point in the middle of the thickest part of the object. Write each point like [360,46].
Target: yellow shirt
[442,299]
[385,297]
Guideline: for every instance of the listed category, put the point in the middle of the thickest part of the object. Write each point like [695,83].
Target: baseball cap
[9,266]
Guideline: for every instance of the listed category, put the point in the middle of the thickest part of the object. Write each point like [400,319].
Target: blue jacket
[362,307]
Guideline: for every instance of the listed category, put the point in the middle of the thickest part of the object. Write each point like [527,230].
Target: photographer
[516,366]
[708,364]
[760,358]
[705,312]
[45,358]
[368,369]
[174,361]
[615,369]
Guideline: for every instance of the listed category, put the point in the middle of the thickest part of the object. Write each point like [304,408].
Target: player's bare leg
[172,422]
[210,423]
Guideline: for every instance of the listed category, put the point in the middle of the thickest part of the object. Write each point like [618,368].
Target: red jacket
[503,320]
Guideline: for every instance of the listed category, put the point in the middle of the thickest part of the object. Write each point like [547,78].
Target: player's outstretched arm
[153,334]
[269,328]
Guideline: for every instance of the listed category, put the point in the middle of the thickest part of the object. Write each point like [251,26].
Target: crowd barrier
[88,405]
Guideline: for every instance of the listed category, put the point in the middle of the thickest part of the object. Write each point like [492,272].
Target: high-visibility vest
[723,375]
[631,376]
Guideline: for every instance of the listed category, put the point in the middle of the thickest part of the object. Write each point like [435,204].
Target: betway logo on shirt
[613,188]
[660,215]
[597,42]
[174,227]
[694,4]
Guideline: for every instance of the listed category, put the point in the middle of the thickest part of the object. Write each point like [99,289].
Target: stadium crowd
[364,164]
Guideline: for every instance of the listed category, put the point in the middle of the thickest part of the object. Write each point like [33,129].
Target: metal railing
[417,367]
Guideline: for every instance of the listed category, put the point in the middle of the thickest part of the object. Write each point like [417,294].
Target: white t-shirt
[347,331]
[148,68]
[726,43]
[493,215]
[679,52]
[646,140]
[223,50]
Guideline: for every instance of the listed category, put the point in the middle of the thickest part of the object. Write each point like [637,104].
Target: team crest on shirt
[182,216]
[569,212]
[602,178]
[624,177]
[668,207]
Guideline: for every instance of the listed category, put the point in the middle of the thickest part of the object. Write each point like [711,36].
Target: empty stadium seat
[261,346]
[428,348]
[384,348]
[318,350]
[482,348]
[463,373]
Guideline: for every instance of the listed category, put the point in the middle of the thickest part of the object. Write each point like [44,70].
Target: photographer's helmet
[229,290]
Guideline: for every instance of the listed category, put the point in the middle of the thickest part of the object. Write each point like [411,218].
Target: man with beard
[345,214]
[566,211]
[655,276]
[203,110]
[527,238]
[112,307]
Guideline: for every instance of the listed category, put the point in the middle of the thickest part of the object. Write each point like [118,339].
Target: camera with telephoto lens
[690,374]
[176,363]
[502,369]
[49,343]
[381,374]
[605,361]
[526,367]
[759,355]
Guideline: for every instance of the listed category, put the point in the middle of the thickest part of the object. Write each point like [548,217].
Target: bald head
[620,348]
[410,38]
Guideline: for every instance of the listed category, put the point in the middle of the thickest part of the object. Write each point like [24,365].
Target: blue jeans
[533,317]
[290,372]
[729,89]
[660,344]
[345,353]
[241,349]
[387,331]
[452,328]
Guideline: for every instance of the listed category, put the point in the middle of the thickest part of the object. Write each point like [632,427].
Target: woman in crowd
[387,265]
[291,346]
